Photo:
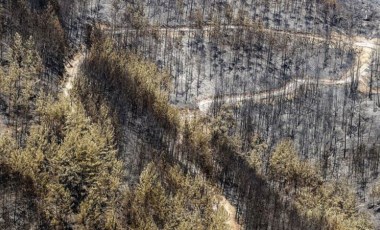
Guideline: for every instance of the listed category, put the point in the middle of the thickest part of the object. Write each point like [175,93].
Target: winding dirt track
[72,70]
[231,213]
[358,72]
[363,46]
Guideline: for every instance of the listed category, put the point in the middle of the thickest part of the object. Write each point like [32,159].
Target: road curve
[362,45]
[363,60]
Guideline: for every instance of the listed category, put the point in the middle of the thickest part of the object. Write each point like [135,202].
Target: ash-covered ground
[335,126]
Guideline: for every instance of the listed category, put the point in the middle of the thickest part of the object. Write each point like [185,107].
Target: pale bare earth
[3,127]
[72,70]
[231,213]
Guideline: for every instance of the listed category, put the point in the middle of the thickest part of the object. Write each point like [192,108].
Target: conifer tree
[19,83]
[284,162]
[167,199]
[72,161]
